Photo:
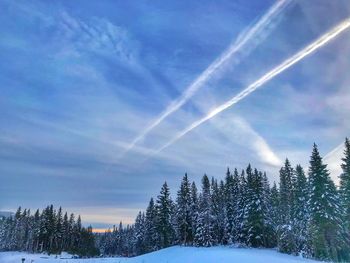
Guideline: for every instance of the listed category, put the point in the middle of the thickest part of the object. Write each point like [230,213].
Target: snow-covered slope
[170,255]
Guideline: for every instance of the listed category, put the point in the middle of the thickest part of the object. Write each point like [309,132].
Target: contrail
[261,25]
[324,39]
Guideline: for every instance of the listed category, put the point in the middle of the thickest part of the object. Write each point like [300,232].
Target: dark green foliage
[183,213]
[194,211]
[344,188]
[256,207]
[218,211]
[151,234]
[205,223]
[325,227]
[300,211]
[286,236]
[139,234]
[275,216]
[305,215]
[48,232]
[231,198]
[165,213]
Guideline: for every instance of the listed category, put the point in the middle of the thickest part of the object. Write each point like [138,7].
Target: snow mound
[174,254]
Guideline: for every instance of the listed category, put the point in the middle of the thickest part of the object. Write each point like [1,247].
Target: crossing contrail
[262,25]
[324,39]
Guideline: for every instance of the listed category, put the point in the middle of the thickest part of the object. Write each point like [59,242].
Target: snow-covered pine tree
[119,241]
[164,217]
[255,227]
[194,209]
[57,235]
[40,232]
[77,233]
[286,238]
[231,195]
[217,211]
[229,209]
[151,235]
[16,238]
[241,226]
[344,188]
[270,235]
[325,228]
[65,232]
[204,232]
[224,237]
[183,213]
[71,223]
[275,215]
[300,216]
[139,234]
[36,231]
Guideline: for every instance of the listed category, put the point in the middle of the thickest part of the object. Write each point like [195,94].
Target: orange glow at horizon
[100,230]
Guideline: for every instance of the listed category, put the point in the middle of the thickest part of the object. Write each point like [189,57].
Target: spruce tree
[270,235]
[58,231]
[65,232]
[300,216]
[286,238]
[344,191]
[344,186]
[218,210]
[42,233]
[275,215]
[205,233]
[36,231]
[151,235]
[164,217]
[183,213]
[256,236]
[139,234]
[325,227]
[242,215]
[231,195]
[194,211]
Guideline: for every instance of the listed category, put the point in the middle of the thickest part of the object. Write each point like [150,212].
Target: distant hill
[6,213]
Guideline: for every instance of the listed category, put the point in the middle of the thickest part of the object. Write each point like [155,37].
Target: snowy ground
[169,255]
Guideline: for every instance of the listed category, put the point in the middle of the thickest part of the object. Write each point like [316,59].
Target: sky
[84,86]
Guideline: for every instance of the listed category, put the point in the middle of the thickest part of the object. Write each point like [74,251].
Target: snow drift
[174,254]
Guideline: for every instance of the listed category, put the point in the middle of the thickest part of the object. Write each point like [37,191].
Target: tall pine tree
[165,209]
[286,238]
[205,225]
[300,216]
[183,213]
[325,227]
[344,190]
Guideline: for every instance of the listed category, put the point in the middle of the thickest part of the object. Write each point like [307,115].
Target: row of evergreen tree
[49,231]
[305,215]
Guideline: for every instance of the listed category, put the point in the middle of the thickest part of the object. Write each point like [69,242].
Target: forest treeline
[305,215]
[50,231]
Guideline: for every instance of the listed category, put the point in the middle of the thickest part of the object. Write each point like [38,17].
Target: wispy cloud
[333,161]
[258,143]
[245,42]
[79,82]
[74,35]
[324,39]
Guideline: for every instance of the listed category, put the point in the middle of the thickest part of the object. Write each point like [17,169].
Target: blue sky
[80,80]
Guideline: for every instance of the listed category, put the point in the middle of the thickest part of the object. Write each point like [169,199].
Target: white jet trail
[324,39]
[263,24]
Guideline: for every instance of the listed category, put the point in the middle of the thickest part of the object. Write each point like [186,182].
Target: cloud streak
[324,39]
[258,143]
[333,159]
[262,26]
